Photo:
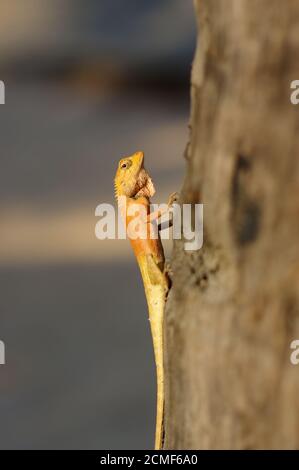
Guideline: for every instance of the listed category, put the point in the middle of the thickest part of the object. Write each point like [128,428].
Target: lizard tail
[156,287]
[156,314]
[159,437]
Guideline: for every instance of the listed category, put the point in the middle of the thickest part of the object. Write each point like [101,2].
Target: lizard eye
[125,165]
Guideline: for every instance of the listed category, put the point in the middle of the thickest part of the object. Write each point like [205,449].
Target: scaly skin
[134,186]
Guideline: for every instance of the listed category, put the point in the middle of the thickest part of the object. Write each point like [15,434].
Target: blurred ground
[86,83]
[79,370]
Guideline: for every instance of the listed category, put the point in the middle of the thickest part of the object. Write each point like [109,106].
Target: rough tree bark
[234,307]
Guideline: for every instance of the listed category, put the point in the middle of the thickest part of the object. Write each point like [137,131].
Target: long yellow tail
[155,284]
[156,303]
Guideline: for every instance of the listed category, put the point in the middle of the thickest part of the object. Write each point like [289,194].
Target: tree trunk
[234,307]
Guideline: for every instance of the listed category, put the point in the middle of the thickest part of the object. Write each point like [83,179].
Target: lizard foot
[174,197]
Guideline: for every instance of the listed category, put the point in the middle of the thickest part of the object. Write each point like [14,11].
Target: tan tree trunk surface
[234,307]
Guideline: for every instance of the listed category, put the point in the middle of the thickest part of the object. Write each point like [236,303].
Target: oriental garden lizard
[134,188]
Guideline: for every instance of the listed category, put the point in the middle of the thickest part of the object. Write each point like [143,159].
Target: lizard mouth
[144,184]
[138,158]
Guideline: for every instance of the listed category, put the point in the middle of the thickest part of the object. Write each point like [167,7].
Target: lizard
[133,189]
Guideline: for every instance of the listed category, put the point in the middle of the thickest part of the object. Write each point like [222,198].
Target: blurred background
[87,82]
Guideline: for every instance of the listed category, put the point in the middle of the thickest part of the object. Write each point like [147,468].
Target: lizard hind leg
[153,273]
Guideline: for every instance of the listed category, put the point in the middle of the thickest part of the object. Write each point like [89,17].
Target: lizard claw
[172,199]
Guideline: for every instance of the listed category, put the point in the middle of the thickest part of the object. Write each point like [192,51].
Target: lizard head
[131,179]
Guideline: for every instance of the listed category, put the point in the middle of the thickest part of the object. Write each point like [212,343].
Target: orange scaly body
[133,190]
